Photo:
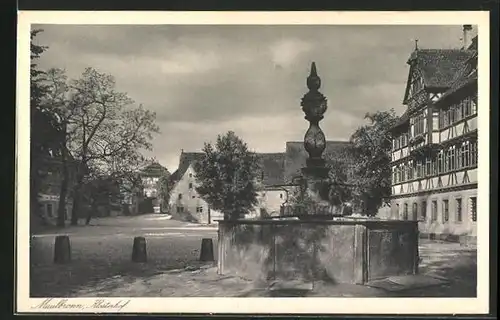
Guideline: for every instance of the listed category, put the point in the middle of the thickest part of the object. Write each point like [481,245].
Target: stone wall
[345,251]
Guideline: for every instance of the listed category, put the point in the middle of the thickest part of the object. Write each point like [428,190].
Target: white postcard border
[250,305]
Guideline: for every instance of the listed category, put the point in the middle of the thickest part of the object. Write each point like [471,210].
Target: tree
[339,178]
[370,151]
[46,138]
[103,129]
[164,186]
[227,176]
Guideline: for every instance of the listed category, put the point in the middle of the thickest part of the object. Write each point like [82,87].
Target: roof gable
[185,160]
[154,170]
[465,78]
[438,67]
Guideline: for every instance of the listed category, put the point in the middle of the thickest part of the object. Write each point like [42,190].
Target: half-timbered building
[434,155]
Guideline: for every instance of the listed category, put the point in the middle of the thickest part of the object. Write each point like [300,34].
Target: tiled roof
[185,160]
[439,67]
[154,170]
[273,168]
[402,119]
[473,45]
[277,168]
[467,76]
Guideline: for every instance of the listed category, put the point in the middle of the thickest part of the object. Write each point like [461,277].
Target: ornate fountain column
[315,173]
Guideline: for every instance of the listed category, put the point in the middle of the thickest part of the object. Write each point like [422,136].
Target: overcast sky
[205,80]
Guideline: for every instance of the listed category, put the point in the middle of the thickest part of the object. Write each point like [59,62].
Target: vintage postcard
[244,162]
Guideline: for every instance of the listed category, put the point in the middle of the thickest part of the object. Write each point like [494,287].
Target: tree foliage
[370,154]
[46,135]
[227,176]
[164,186]
[339,178]
[104,130]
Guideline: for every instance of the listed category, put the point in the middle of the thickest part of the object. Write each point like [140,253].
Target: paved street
[101,264]
[103,250]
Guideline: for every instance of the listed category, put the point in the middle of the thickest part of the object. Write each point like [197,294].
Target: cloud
[205,80]
[285,51]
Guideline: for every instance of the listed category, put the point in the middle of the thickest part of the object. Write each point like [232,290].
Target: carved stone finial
[313,81]
[314,106]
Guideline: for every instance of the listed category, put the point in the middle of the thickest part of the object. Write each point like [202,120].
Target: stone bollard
[207,250]
[139,253]
[62,250]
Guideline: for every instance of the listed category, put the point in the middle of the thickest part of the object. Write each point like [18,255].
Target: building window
[190,175]
[453,163]
[434,212]
[440,162]
[473,153]
[447,159]
[445,118]
[180,209]
[428,166]
[419,127]
[446,212]
[419,169]
[281,195]
[434,165]
[467,106]
[49,210]
[459,210]
[451,114]
[423,210]
[394,175]
[465,154]
[405,212]
[410,170]
[403,172]
[435,122]
[414,211]
[190,185]
[473,209]
[199,209]
[397,209]
[180,196]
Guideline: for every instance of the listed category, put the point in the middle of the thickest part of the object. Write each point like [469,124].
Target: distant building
[184,201]
[277,178]
[150,176]
[50,188]
[435,149]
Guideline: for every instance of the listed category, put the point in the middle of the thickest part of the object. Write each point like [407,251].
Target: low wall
[343,251]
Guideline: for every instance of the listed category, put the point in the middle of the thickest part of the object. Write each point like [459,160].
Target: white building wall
[436,224]
[189,202]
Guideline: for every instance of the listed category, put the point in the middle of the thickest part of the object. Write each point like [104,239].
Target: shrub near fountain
[314,244]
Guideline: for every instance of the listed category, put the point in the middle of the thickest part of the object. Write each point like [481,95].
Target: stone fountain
[317,245]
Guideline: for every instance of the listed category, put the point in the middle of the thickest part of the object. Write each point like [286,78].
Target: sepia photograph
[252,160]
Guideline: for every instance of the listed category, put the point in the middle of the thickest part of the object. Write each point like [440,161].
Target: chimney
[467,36]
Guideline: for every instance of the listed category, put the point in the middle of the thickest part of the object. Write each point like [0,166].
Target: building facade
[48,198]
[434,155]
[150,177]
[276,178]
[184,202]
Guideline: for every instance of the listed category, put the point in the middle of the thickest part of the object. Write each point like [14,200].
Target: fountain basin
[342,250]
